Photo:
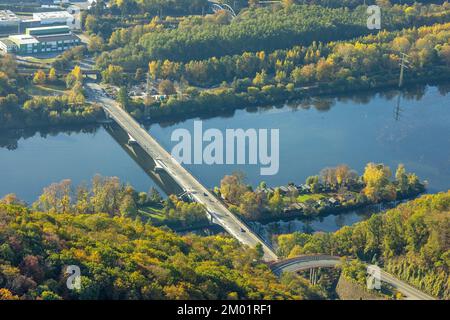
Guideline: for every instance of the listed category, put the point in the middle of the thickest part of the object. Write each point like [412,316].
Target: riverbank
[173,115]
[299,215]
[391,240]
[365,63]
[308,143]
[228,101]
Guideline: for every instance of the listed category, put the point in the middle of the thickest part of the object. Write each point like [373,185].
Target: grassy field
[154,214]
[45,90]
[315,197]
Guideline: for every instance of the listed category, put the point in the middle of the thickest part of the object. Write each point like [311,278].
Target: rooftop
[48,28]
[23,39]
[7,42]
[62,37]
[8,15]
[51,15]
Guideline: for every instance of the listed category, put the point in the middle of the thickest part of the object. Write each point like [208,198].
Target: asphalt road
[218,211]
[324,261]
[186,180]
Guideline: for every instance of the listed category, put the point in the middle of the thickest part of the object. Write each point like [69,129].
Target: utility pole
[147,89]
[403,65]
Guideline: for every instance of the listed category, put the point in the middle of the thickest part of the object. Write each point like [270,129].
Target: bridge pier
[314,275]
[211,217]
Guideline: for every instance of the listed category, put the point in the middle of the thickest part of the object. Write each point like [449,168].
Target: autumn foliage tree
[124,258]
[39,77]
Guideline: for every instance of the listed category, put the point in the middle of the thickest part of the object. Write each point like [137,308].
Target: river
[314,134]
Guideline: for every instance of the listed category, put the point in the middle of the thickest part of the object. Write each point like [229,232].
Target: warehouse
[24,44]
[8,19]
[7,45]
[57,18]
[40,40]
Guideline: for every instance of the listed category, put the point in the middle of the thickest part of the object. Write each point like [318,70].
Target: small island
[334,190]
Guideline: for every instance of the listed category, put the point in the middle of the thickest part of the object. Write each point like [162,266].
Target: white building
[29,44]
[8,18]
[83,5]
[58,18]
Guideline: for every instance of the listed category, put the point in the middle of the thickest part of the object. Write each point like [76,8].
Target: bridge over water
[218,212]
[164,163]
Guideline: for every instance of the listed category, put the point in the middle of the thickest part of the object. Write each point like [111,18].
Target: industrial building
[8,19]
[10,23]
[40,40]
[57,18]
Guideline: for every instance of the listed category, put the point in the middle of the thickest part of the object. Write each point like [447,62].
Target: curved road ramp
[325,261]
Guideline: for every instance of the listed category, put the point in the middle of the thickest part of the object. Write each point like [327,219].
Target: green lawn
[48,60]
[314,196]
[152,213]
[45,90]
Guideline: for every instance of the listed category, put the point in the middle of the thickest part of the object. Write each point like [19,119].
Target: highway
[186,180]
[324,261]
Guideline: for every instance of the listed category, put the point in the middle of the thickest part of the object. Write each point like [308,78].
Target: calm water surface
[313,134]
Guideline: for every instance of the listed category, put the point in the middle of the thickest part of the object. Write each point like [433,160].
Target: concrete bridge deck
[216,209]
[185,179]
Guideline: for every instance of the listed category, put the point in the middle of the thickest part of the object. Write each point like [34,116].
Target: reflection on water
[322,132]
[10,139]
[329,223]
[314,133]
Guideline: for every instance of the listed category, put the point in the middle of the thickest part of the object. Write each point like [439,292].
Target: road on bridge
[186,180]
[219,211]
[324,261]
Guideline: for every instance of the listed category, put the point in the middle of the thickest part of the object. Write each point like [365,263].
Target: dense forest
[239,62]
[122,258]
[366,63]
[123,240]
[257,29]
[109,195]
[410,241]
[20,109]
[320,62]
[153,7]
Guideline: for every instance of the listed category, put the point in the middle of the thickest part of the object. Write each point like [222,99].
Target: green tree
[167,87]
[52,77]
[276,201]
[128,207]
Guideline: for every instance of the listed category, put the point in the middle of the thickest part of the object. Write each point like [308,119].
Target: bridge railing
[305,257]
[245,222]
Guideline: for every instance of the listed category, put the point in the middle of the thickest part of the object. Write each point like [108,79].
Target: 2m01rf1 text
[250,309]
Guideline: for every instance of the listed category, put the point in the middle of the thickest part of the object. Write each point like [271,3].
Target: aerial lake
[319,132]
